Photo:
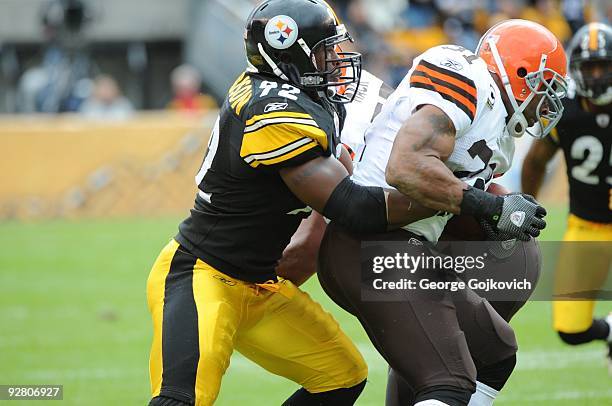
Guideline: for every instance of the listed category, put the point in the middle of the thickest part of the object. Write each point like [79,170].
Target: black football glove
[515,215]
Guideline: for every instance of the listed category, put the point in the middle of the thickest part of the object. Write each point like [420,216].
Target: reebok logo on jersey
[449,63]
[275,107]
[518,218]
[225,280]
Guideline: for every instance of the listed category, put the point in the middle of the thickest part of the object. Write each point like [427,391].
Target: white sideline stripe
[547,360]
[15,341]
[527,360]
[568,395]
[49,375]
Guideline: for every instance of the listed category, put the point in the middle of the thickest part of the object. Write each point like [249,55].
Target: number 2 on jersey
[591,150]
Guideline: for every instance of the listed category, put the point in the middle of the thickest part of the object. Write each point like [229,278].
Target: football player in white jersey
[440,138]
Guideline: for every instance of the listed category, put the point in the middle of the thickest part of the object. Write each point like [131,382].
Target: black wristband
[481,204]
[360,209]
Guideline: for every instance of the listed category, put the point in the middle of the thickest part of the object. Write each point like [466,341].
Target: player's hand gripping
[516,215]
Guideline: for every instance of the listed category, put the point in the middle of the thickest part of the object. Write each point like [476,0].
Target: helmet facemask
[550,107]
[544,82]
[338,69]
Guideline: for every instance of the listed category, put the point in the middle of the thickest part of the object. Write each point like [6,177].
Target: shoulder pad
[284,128]
[454,58]
[445,70]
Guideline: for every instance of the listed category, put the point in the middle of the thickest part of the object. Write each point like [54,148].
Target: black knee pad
[495,341]
[496,375]
[452,396]
[165,401]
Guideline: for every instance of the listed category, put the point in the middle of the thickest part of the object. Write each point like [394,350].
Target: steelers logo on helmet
[281,32]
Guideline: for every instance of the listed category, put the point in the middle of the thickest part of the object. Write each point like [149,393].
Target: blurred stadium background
[106,106]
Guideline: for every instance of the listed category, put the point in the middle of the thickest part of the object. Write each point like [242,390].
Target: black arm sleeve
[481,204]
[360,209]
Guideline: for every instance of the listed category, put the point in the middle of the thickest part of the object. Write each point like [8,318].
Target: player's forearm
[416,163]
[324,185]
[299,257]
[427,181]
[532,177]
[402,210]
[534,165]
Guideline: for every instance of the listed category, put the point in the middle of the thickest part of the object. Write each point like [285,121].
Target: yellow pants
[200,315]
[583,267]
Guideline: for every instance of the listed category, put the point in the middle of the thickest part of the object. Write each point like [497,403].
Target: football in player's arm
[583,135]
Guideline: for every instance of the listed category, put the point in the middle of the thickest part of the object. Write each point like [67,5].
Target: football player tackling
[271,158]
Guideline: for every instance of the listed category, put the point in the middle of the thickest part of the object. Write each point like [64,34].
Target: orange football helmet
[530,61]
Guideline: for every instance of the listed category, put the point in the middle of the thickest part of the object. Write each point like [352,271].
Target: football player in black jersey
[584,134]
[271,158]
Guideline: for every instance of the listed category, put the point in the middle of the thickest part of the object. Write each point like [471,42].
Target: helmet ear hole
[519,127]
[521,72]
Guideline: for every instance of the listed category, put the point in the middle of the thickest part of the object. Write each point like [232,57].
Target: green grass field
[73,312]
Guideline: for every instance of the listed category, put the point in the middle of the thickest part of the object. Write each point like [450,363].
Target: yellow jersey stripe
[276,136]
[262,156]
[233,100]
[246,83]
[289,114]
[233,88]
[238,81]
[238,95]
[239,104]
[156,286]
[291,153]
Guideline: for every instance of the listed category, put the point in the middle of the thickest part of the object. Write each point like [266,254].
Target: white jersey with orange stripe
[455,80]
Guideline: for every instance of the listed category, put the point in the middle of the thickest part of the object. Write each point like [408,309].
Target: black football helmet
[592,44]
[298,41]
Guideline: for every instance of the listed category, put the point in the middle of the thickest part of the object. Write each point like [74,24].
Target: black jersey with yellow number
[586,140]
[244,214]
